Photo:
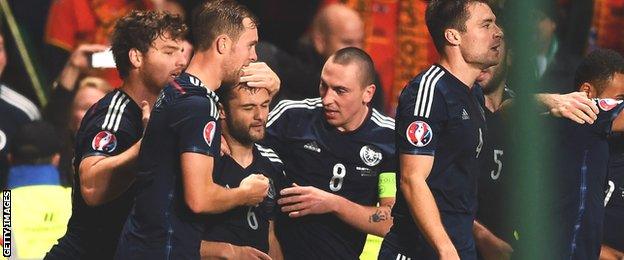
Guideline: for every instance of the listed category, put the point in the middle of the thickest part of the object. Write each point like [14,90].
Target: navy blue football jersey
[160,225]
[614,195]
[440,116]
[346,164]
[246,225]
[16,111]
[581,155]
[109,127]
[493,184]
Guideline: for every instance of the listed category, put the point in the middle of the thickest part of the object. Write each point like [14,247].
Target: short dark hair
[447,14]
[138,30]
[598,67]
[225,93]
[35,143]
[217,17]
[356,55]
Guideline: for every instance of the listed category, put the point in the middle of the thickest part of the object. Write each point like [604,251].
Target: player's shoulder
[432,81]
[115,111]
[295,110]
[19,103]
[271,159]
[268,154]
[381,121]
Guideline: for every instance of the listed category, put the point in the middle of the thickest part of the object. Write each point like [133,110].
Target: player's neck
[206,69]
[494,99]
[356,122]
[241,153]
[465,72]
[138,90]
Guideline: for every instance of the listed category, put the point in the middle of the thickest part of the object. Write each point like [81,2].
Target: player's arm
[609,253]
[414,172]
[489,245]
[275,249]
[574,106]
[220,250]
[202,195]
[104,178]
[300,201]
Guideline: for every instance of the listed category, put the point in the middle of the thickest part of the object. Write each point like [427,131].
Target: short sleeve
[105,136]
[277,123]
[421,116]
[194,120]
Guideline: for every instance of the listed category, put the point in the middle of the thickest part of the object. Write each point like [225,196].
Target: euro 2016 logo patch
[209,132]
[419,133]
[104,141]
[608,104]
[370,156]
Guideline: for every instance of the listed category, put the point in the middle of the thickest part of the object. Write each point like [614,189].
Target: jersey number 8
[339,172]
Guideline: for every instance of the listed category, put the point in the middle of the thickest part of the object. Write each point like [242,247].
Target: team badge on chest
[370,156]
[419,133]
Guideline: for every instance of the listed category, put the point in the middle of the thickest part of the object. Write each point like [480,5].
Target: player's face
[163,62]
[84,99]
[614,88]
[3,57]
[480,43]
[344,98]
[491,78]
[247,114]
[242,53]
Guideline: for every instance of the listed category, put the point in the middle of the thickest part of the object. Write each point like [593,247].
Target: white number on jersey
[497,159]
[251,218]
[339,172]
[609,192]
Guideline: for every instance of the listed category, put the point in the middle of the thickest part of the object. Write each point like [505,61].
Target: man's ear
[452,36]
[136,57]
[223,43]
[369,92]
[589,89]
[318,41]
[221,111]
[56,159]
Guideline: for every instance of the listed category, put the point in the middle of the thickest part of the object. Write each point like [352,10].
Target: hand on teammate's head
[259,75]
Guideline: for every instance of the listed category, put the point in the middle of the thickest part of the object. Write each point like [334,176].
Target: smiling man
[148,52]
[337,151]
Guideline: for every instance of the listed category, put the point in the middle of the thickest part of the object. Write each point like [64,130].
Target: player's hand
[146,111]
[574,106]
[256,187]
[299,201]
[225,148]
[249,253]
[259,75]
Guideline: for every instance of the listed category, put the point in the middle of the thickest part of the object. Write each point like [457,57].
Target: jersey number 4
[339,172]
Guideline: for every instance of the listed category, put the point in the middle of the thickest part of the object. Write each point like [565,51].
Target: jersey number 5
[499,163]
[339,172]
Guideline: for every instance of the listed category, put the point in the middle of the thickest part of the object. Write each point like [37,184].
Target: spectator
[334,27]
[41,206]
[16,110]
